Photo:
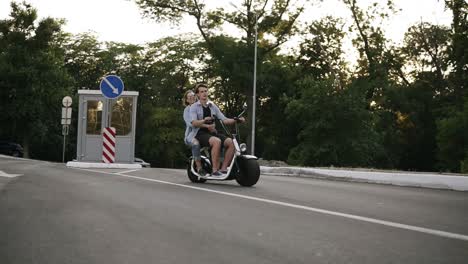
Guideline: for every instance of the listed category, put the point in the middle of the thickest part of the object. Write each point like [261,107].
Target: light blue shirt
[188,125]
[196,113]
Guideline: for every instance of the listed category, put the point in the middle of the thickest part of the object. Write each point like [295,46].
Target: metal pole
[254,90]
[63,153]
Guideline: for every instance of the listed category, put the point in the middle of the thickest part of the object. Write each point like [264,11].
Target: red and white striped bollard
[108,145]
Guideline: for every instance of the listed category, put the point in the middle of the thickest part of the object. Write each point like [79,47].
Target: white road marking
[123,172]
[307,208]
[4,174]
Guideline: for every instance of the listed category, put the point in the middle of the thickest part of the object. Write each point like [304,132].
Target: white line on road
[123,172]
[4,174]
[307,208]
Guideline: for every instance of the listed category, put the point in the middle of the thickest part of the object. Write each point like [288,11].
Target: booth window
[121,117]
[94,117]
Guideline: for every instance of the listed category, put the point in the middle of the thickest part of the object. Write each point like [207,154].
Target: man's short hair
[198,85]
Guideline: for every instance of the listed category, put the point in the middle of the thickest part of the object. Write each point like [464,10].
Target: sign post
[66,121]
[111,87]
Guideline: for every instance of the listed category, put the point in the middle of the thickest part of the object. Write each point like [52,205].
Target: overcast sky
[121,21]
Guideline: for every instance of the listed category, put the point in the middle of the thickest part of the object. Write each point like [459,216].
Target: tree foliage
[277,20]
[32,81]
[323,110]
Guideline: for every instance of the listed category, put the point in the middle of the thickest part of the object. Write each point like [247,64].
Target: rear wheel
[249,172]
[192,177]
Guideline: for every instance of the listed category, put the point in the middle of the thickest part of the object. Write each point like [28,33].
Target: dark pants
[204,138]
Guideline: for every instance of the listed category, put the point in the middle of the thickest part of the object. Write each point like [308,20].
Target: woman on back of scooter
[188,100]
[201,115]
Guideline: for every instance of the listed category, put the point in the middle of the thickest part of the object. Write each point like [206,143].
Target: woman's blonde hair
[184,99]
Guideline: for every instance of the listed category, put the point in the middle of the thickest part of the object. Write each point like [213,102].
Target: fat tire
[249,172]
[192,177]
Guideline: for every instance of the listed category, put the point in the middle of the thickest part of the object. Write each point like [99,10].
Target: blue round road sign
[111,86]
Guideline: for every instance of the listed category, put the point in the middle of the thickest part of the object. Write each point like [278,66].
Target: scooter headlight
[243,147]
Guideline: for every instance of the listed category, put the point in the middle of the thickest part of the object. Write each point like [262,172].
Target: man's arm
[227,121]
[194,119]
[201,123]
[231,121]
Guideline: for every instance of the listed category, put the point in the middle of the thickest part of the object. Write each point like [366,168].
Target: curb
[422,180]
[76,164]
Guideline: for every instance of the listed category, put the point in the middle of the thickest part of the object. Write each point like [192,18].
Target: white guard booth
[97,112]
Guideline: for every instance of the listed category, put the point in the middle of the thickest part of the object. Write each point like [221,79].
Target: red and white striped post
[108,145]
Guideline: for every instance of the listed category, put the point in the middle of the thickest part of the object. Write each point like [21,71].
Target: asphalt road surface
[53,214]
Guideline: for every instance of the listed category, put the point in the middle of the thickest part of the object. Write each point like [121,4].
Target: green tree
[451,134]
[33,81]
[163,142]
[334,127]
[452,141]
[168,68]
[380,75]
[374,62]
[459,50]
[276,134]
[321,51]
[276,19]
[418,104]
[83,60]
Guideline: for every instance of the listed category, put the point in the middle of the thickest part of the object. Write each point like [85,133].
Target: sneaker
[217,174]
[201,172]
[223,171]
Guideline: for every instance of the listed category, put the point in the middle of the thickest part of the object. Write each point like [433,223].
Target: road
[53,214]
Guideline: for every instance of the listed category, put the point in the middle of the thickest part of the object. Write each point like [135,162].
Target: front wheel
[249,172]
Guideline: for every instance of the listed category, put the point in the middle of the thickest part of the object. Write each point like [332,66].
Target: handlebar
[237,118]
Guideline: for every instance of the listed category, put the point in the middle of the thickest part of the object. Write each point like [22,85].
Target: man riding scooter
[201,114]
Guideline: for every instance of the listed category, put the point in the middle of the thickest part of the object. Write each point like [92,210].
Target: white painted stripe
[100,165]
[111,148]
[123,172]
[111,154]
[108,132]
[106,160]
[6,175]
[307,208]
[108,144]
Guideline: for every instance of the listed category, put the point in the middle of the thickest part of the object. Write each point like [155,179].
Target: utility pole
[254,88]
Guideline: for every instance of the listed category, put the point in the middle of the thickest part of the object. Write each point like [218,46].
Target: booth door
[92,123]
[121,116]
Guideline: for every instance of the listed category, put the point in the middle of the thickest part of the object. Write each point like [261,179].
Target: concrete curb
[424,180]
[76,164]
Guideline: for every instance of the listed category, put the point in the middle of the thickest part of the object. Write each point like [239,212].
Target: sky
[121,21]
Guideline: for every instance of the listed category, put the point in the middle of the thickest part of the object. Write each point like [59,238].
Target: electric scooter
[243,168]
